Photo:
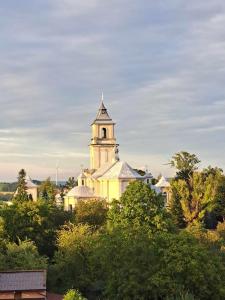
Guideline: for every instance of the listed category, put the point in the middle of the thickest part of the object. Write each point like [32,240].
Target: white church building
[107,177]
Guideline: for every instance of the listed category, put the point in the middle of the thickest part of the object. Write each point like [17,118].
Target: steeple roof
[102,115]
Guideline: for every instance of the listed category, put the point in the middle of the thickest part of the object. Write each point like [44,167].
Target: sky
[160,64]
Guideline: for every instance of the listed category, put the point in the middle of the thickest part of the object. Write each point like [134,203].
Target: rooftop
[22,280]
[121,170]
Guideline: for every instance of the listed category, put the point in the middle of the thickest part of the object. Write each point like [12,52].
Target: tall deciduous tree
[194,197]
[139,206]
[92,212]
[185,163]
[71,270]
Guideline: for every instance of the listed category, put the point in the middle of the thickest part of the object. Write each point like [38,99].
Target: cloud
[161,66]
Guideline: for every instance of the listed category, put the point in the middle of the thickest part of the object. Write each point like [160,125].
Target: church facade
[107,177]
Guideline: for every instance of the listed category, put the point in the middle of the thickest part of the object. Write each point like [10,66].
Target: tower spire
[102,115]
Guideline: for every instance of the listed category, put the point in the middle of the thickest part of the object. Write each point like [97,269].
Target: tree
[92,212]
[71,183]
[47,190]
[36,221]
[219,199]
[71,268]
[194,199]
[131,264]
[185,163]
[73,295]
[139,206]
[21,256]
[21,192]
[174,205]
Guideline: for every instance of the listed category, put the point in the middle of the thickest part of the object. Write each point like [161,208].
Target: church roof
[29,182]
[163,182]
[103,116]
[121,170]
[103,169]
[80,192]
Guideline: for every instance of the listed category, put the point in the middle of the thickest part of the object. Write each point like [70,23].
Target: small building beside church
[31,189]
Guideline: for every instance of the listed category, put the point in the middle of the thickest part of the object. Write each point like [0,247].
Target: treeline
[134,249]
[8,187]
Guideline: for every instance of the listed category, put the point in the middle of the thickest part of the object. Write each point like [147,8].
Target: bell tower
[103,147]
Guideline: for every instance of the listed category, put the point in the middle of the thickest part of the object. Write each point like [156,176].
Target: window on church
[82,182]
[104,133]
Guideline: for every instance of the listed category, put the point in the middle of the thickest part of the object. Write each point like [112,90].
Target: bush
[73,295]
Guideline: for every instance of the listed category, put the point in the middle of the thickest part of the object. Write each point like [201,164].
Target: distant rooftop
[22,280]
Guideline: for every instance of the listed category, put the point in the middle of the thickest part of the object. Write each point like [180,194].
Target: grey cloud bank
[161,65]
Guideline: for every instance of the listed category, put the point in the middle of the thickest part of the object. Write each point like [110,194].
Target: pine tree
[71,183]
[21,192]
[47,190]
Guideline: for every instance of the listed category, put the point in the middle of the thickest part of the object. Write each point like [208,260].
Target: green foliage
[23,255]
[185,163]
[37,221]
[136,264]
[71,268]
[47,190]
[174,205]
[133,265]
[21,192]
[8,187]
[182,296]
[219,199]
[221,230]
[71,183]
[92,212]
[197,196]
[73,295]
[139,206]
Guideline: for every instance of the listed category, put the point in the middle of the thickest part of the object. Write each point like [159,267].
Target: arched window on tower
[104,131]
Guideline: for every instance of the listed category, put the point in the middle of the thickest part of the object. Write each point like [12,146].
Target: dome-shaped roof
[80,192]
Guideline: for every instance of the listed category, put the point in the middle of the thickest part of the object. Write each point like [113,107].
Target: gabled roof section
[121,170]
[103,116]
[163,182]
[103,169]
[22,280]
